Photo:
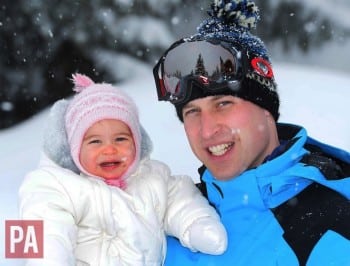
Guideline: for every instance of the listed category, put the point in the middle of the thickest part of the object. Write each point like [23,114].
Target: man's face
[228,134]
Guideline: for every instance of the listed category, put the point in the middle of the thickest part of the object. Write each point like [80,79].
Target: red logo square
[24,239]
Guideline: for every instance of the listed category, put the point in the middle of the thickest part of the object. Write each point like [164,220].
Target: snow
[314,97]
[337,10]
[334,55]
[154,33]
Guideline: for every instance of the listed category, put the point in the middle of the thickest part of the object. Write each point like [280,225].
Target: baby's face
[107,149]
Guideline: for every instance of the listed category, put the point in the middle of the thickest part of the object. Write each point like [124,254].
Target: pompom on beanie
[92,103]
[232,21]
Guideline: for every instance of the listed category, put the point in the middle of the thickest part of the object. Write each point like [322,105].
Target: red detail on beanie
[262,67]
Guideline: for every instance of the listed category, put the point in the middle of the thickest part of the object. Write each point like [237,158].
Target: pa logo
[24,239]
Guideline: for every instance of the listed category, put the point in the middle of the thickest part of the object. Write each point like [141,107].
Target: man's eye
[189,112]
[224,103]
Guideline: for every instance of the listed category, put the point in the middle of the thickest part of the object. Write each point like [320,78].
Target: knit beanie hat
[231,21]
[92,103]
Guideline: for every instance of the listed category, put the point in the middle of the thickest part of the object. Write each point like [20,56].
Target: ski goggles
[213,65]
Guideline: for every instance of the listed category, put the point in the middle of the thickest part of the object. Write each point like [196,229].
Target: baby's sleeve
[41,197]
[191,219]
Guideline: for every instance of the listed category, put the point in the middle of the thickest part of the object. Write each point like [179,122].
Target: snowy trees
[42,42]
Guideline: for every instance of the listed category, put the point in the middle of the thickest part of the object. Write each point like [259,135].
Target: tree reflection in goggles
[213,65]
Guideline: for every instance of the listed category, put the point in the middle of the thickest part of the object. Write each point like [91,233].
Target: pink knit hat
[92,103]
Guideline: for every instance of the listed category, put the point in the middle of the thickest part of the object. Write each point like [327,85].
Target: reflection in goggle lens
[212,65]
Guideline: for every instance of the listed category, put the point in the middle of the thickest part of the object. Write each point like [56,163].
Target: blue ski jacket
[284,212]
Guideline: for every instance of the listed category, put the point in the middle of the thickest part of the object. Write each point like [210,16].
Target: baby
[102,199]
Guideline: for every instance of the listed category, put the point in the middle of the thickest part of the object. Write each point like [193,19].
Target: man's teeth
[219,149]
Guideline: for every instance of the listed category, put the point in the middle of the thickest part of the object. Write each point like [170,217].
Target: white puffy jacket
[87,222]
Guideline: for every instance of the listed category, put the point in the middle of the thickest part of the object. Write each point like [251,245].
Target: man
[282,196]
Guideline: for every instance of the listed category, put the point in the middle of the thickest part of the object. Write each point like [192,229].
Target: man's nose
[209,125]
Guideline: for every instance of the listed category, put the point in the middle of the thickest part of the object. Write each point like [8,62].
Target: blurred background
[43,42]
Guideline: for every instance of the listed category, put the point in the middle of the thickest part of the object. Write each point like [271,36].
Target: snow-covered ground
[313,97]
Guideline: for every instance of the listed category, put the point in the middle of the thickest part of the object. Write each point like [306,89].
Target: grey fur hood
[55,142]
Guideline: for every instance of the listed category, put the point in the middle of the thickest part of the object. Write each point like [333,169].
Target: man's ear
[269,116]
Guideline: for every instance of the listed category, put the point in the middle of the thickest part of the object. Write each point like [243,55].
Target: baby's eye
[94,141]
[120,139]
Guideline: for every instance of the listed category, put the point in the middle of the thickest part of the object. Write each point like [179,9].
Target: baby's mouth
[109,164]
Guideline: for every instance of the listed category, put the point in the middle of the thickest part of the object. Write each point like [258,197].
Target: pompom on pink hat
[94,102]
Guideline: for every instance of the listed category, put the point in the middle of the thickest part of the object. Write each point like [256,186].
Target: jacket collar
[279,178]
[265,186]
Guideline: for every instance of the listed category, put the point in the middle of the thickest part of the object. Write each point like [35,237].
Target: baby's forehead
[112,122]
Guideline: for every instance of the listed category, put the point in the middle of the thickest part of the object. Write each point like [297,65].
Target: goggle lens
[213,65]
